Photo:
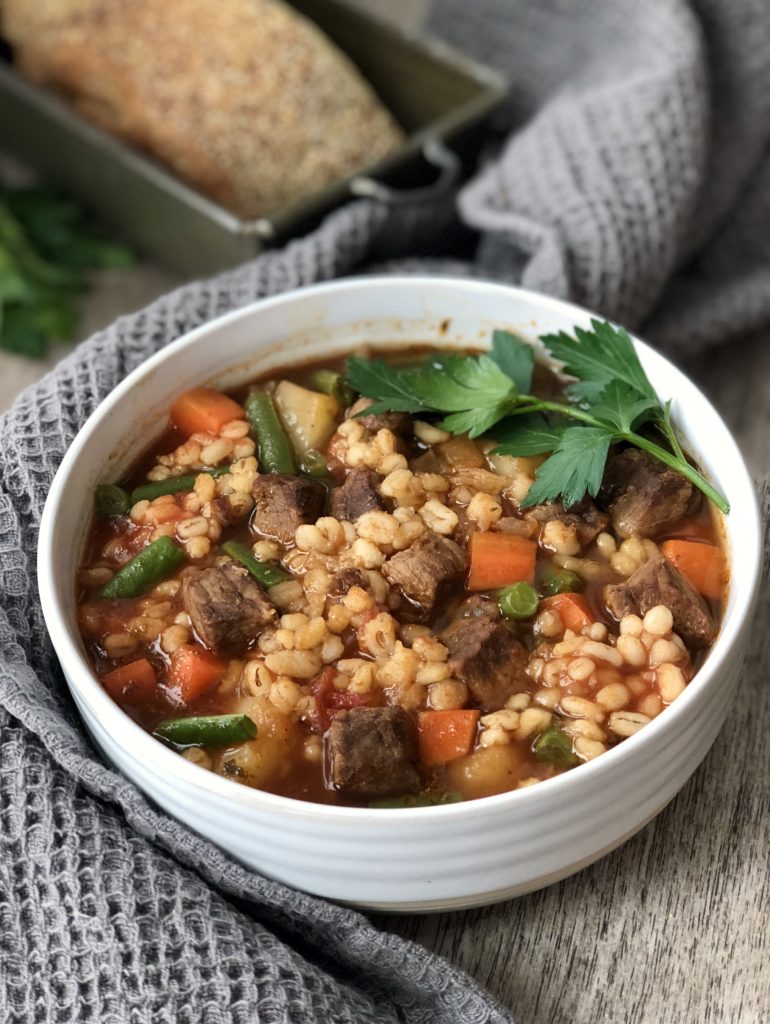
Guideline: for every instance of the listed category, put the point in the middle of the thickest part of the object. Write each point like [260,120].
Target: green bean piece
[276,454]
[173,485]
[555,747]
[313,463]
[111,500]
[207,730]
[268,573]
[145,569]
[334,384]
[519,601]
[560,581]
[417,800]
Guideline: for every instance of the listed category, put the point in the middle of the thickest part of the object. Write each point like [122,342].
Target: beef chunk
[398,422]
[224,511]
[486,655]
[643,496]
[345,579]
[372,752]
[659,582]
[421,569]
[585,516]
[227,607]
[283,502]
[478,605]
[358,494]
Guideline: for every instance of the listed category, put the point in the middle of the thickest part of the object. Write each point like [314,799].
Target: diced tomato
[329,700]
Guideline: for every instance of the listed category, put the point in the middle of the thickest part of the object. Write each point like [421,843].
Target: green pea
[555,747]
[519,601]
[111,500]
[560,581]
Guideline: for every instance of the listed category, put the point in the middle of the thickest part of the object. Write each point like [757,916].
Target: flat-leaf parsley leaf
[609,403]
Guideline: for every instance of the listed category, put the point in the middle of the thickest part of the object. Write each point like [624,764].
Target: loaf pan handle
[435,153]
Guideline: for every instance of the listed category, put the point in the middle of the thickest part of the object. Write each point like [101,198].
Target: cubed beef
[643,496]
[486,655]
[477,605]
[226,605]
[588,520]
[421,569]
[345,579]
[283,502]
[224,511]
[659,582]
[398,422]
[358,494]
[372,752]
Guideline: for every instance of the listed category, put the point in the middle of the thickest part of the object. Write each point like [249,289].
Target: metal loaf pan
[436,94]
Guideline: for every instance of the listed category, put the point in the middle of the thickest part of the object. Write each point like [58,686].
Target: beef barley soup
[409,577]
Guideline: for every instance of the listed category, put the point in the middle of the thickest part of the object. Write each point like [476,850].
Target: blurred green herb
[47,247]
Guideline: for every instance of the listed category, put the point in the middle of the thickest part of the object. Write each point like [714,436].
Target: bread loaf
[246,100]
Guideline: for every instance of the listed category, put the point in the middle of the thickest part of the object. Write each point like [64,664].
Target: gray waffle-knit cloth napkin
[634,172]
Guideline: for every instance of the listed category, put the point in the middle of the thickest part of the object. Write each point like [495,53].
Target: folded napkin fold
[635,178]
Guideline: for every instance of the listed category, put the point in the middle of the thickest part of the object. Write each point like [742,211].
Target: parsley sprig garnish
[610,400]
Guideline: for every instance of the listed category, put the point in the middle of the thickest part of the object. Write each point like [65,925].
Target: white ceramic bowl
[427,858]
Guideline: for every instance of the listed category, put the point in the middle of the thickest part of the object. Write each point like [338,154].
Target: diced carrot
[193,671]
[135,681]
[204,411]
[497,559]
[703,564]
[445,735]
[574,610]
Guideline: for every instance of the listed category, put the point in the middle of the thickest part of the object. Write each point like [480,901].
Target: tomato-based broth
[367,609]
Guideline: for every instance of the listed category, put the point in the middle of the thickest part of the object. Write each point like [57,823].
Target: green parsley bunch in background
[47,246]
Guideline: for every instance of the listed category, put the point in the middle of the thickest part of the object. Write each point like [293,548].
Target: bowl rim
[142,746]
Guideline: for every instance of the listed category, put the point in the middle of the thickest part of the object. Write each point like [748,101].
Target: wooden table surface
[671,928]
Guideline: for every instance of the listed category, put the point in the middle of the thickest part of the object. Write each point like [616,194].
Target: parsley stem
[681,466]
[541,405]
[668,430]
